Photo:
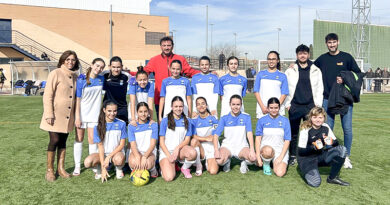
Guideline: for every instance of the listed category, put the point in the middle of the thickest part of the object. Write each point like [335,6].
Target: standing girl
[203,137]
[273,137]
[175,86]
[115,85]
[58,111]
[88,102]
[237,129]
[231,84]
[205,84]
[175,134]
[110,135]
[143,139]
[141,91]
[318,146]
[270,83]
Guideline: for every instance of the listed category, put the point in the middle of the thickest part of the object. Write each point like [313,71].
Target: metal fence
[376,85]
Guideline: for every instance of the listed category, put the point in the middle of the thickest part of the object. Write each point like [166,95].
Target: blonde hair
[315,111]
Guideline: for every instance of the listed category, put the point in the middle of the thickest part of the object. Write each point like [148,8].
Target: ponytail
[141,71]
[101,127]
[171,121]
[171,118]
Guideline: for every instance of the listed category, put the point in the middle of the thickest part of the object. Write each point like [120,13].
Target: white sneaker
[226,167]
[98,173]
[244,167]
[119,173]
[347,163]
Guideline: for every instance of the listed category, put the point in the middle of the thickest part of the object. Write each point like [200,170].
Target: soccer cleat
[119,173]
[153,173]
[347,163]
[337,181]
[267,169]
[187,173]
[199,169]
[292,161]
[76,171]
[98,173]
[244,167]
[226,167]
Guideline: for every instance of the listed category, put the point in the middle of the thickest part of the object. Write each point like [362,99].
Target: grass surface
[23,156]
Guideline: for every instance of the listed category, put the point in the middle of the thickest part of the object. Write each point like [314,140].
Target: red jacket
[160,66]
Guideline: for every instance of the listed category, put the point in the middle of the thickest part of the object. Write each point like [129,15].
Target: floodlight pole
[207,28]
[279,29]
[110,31]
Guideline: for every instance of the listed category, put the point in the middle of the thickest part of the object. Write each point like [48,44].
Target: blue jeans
[346,123]
[368,85]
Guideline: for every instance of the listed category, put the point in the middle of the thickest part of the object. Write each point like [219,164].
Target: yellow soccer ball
[139,177]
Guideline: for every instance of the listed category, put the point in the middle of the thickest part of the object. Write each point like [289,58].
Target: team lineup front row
[186,130]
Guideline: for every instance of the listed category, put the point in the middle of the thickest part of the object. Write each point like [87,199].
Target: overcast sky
[255,22]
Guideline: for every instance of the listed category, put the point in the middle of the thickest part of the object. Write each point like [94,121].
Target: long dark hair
[171,118]
[277,55]
[65,55]
[90,69]
[101,127]
[202,98]
[143,104]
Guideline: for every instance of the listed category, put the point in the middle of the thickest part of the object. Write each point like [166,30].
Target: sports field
[23,163]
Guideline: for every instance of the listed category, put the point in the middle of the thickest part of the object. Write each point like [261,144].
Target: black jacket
[339,99]
[354,82]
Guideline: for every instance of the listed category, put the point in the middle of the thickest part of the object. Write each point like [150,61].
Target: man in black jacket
[331,64]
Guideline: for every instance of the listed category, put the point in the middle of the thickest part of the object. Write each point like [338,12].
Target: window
[153,38]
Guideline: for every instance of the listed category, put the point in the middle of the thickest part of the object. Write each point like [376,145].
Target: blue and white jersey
[270,85]
[273,132]
[115,132]
[204,127]
[206,86]
[91,97]
[235,129]
[170,88]
[141,94]
[142,134]
[174,137]
[229,86]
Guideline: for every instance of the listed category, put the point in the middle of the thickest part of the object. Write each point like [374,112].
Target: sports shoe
[292,161]
[177,168]
[187,173]
[153,172]
[226,167]
[337,181]
[267,169]
[244,167]
[98,173]
[347,163]
[199,169]
[76,171]
[119,173]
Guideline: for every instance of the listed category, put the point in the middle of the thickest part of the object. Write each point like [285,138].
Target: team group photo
[149,124]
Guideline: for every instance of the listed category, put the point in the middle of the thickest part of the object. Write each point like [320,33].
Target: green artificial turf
[23,163]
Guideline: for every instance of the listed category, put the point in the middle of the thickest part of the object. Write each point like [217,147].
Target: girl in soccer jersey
[174,86]
[203,139]
[231,84]
[89,100]
[318,146]
[141,91]
[270,83]
[205,84]
[143,139]
[273,136]
[175,134]
[115,85]
[237,130]
[110,135]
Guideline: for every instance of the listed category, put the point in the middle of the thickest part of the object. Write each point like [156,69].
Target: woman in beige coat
[58,111]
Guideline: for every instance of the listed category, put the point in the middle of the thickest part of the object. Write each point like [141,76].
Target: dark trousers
[295,115]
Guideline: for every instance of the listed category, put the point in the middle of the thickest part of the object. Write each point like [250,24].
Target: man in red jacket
[159,65]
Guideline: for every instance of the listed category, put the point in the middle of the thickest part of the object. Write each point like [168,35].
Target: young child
[175,134]
[143,139]
[89,89]
[270,83]
[237,129]
[174,86]
[318,146]
[205,84]
[110,135]
[231,84]
[141,91]
[203,137]
[273,137]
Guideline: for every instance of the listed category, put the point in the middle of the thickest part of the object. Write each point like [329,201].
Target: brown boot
[50,164]
[61,164]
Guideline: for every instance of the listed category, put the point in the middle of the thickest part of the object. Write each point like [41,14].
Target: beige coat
[59,101]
